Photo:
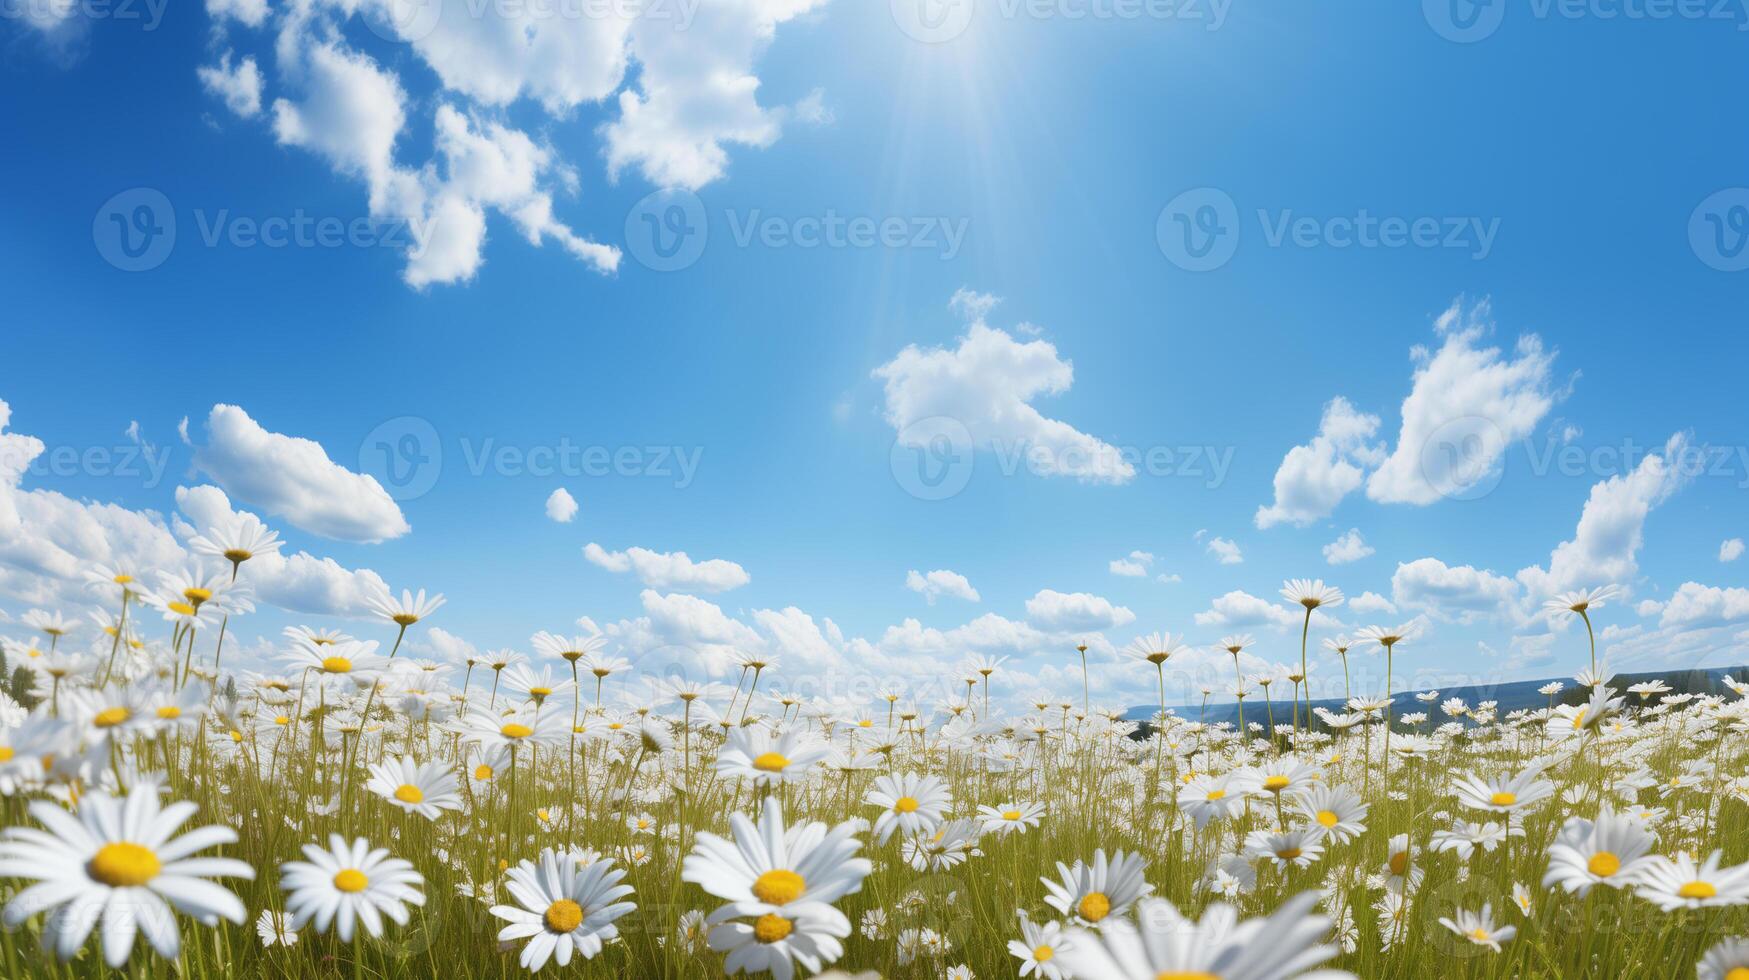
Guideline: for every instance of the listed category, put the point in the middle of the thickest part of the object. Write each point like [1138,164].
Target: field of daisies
[360,812]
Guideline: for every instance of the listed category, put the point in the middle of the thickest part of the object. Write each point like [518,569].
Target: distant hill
[1511,695]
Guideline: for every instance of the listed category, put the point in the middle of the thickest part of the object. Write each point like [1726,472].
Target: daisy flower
[767,758]
[1093,892]
[1729,960]
[1207,798]
[1582,600]
[519,728]
[1296,848]
[1163,943]
[949,845]
[1504,795]
[406,611]
[1612,850]
[1038,947]
[1479,928]
[236,540]
[347,884]
[1334,810]
[573,649]
[1683,884]
[783,878]
[562,909]
[427,789]
[1010,818]
[116,861]
[270,926]
[910,803]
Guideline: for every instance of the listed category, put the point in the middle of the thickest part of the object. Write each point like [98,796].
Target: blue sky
[1573,168]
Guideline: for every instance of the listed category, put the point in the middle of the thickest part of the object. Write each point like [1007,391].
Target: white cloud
[239,87]
[1694,604]
[1372,602]
[1225,551]
[250,13]
[939,583]
[1731,550]
[986,384]
[294,479]
[696,92]
[1349,547]
[561,506]
[1452,592]
[1239,609]
[1473,398]
[1648,607]
[1074,612]
[1607,540]
[1313,478]
[670,570]
[1135,566]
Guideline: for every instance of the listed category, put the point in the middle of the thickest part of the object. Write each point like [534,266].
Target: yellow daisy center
[123,579]
[540,692]
[1328,818]
[1217,795]
[1011,814]
[482,772]
[1479,935]
[564,915]
[197,595]
[771,927]
[123,865]
[1094,906]
[771,762]
[1697,889]
[111,717]
[1399,862]
[1184,975]
[1043,954]
[906,804]
[282,719]
[409,793]
[238,554]
[1738,973]
[1275,784]
[1289,853]
[405,619]
[513,730]
[1503,799]
[351,880]
[779,887]
[337,665]
[6,753]
[169,712]
[181,608]
[1603,864]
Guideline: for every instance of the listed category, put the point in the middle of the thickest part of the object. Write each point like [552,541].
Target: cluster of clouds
[675,81]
